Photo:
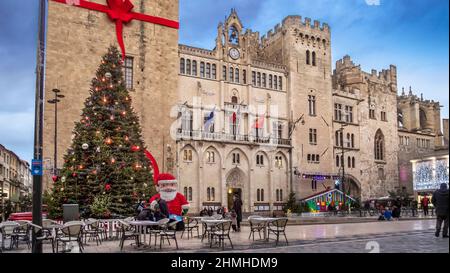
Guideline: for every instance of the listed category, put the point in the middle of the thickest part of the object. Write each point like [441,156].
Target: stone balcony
[231,138]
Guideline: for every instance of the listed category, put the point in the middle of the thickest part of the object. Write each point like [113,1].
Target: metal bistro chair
[128,232]
[221,231]
[156,230]
[256,226]
[71,232]
[169,232]
[22,232]
[277,227]
[45,235]
[189,225]
[93,230]
[7,232]
[206,230]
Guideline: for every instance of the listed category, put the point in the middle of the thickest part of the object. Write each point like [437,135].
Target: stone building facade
[15,175]
[257,115]
[77,38]
[366,103]
[419,133]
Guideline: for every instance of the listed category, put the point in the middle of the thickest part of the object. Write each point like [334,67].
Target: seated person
[396,213]
[145,214]
[157,212]
[388,214]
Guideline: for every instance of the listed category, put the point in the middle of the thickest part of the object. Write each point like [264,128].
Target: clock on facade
[234,53]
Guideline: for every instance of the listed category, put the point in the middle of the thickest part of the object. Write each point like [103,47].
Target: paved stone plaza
[410,236]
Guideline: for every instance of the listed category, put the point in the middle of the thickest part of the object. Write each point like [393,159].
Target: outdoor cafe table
[141,228]
[265,221]
[210,224]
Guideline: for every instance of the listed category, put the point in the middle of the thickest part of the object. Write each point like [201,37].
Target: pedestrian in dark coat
[440,202]
[237,206]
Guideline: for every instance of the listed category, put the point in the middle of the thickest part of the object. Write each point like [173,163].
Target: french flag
[210,120]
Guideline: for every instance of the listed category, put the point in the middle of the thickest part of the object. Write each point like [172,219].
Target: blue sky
[412,34]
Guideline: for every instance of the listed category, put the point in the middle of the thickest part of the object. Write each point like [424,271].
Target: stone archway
[353,187]
[235,184]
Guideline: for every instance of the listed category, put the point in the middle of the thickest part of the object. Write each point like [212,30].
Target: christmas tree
[105,169]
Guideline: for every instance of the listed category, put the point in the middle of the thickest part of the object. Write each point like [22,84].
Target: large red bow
[120,11]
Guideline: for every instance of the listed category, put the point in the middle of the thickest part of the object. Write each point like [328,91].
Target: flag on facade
[210,120]
[259,122]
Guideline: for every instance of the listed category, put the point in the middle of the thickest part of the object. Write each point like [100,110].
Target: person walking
[425,202]
[440,202]
[237,206]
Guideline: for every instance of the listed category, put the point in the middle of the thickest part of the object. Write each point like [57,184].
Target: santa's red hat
[159,178]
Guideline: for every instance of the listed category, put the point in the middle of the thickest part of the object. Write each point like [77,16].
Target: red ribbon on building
[120,11]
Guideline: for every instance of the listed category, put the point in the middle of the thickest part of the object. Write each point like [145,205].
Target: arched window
[349,162]
[379,145]
[278,194]
[341,138]
[281,195]
[231,74]
[190,194]
[208,70]
[244,76]
[182,62]
[208,194]
[214,71]
[202,69]
[336,138]
[314,58]
[275,83]
[224,73]
[258,195]
[234,99]
[348,140]
[400,118]
[262,194]
[213,194]
[308,57]
[185,191]
[280,82]
[337,161]
[264,80]
[353,141]
[342,161]
[353,162]
[236,75]
[258,78]
[194,68]
[423,118]
[270,81]
[188,67]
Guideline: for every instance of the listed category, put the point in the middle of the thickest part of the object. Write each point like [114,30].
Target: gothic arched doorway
[234,185]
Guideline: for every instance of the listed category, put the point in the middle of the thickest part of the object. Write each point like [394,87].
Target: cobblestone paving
[400,236]
[410,242]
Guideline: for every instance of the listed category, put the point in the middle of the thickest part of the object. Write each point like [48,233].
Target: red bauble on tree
[135,148]
[55,178]
[107,187]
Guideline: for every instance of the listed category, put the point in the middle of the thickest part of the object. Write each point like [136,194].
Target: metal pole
[55,166]
[343,166]
[3,203]
[38,137]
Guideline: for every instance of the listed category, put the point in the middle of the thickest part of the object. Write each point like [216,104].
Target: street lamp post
[38,126]
[343,163]
[292,126]
[55,102]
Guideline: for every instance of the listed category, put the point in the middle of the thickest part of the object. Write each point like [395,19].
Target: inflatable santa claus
[167,187]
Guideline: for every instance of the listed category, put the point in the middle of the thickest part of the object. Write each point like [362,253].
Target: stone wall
[77,39]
